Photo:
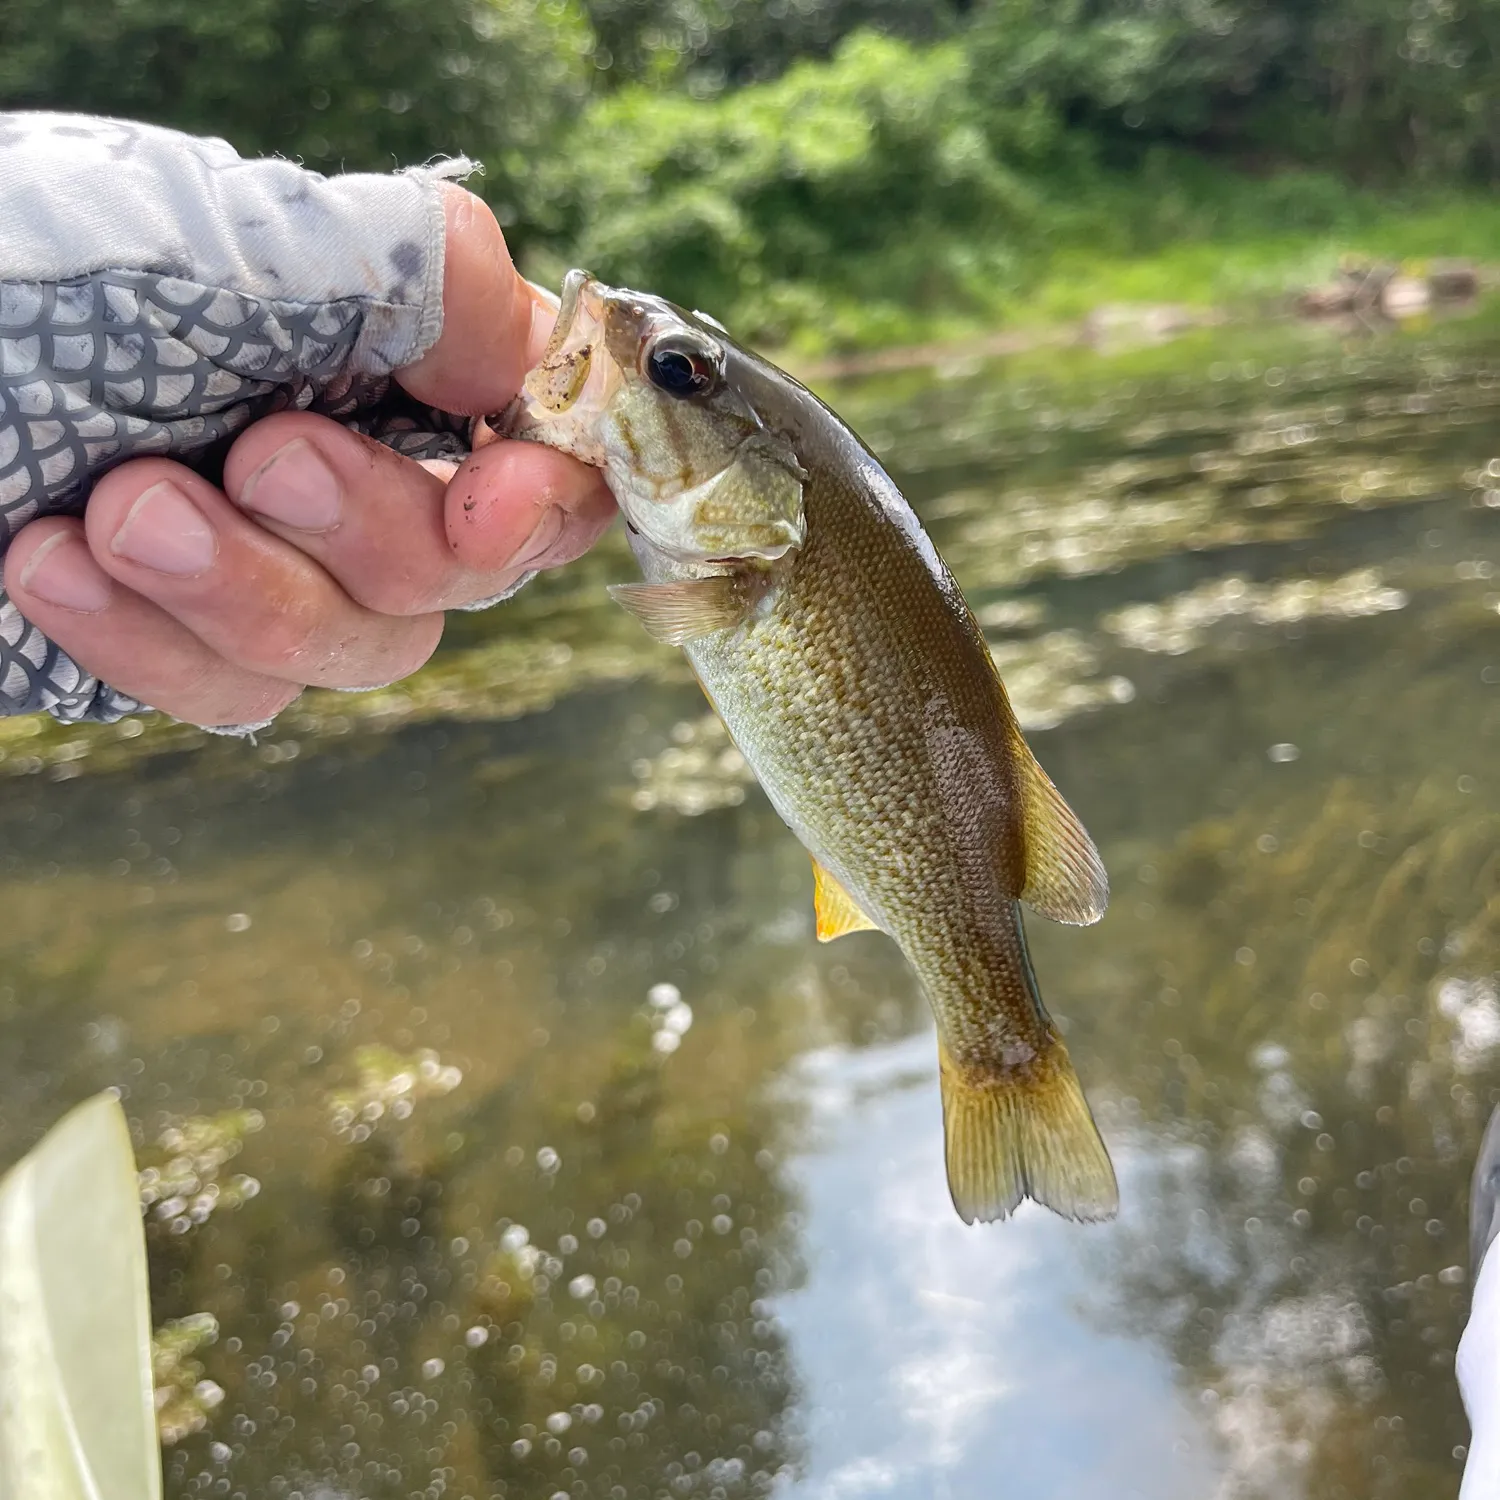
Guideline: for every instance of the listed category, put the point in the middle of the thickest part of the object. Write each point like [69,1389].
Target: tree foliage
[354,84]
[708,43]
[845,162]
[1382,89]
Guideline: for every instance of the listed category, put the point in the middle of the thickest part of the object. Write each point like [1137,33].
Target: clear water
[527,1144]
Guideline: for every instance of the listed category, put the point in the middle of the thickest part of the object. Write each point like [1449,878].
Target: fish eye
[681,365]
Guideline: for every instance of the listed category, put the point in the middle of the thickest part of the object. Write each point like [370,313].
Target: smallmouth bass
[838,650]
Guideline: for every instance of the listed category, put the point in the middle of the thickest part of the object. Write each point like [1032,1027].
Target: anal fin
[838,912]
[1024,1132]
[675,613]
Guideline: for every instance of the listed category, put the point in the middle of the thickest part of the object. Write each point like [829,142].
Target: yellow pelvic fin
[1024,1133]
[1065,877]
[675,613]
[837,910]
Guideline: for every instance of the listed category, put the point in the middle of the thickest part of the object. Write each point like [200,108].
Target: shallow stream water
[497,1103]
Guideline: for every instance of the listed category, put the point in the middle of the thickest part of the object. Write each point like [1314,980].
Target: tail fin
[1024,1133]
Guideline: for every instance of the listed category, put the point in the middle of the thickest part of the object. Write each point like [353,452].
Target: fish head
[648,393]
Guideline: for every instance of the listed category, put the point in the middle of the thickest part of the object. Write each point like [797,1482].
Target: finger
[512,508]
[126,640]
[495,323]
[262,604]
[396,537]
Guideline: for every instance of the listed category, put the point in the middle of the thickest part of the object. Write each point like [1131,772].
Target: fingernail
[296,487]
[63,571]
[543,538]
[166,532]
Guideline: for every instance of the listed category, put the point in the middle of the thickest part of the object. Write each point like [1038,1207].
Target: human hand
[325,558]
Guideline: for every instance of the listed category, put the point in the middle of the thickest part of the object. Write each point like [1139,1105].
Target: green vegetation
[854,172]
[335,83]
[1241,249]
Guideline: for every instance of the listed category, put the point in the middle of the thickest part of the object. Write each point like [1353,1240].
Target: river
[522,1142]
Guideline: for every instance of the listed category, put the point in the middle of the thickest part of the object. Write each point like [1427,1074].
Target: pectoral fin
[675,613]
[1065,878]
[837,910]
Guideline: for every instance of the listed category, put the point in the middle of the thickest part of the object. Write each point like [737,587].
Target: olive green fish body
[838,650]
[864,698]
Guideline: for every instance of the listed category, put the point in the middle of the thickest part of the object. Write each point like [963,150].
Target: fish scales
[837,648]
[869,709]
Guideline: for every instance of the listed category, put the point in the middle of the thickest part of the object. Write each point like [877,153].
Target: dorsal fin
[1065,878]
[837,910]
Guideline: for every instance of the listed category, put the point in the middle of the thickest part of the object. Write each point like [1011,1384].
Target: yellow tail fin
[1027,1133]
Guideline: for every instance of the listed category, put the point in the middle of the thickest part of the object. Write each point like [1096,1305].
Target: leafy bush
[871,185]
[711,43]
[1385,90]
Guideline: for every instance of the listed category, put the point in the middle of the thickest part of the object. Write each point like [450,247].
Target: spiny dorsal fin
[676,613]
[1065,878]
[837,910]
[1025,1132]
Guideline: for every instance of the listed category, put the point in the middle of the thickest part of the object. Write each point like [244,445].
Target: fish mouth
[571,377]
[580,294]
[561,375]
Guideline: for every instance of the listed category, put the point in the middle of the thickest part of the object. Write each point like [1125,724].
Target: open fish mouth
[571,383]
[577,294]
[563,373]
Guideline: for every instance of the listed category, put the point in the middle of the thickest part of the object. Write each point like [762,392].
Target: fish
[836,646]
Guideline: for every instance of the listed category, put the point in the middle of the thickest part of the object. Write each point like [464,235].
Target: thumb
[495,323]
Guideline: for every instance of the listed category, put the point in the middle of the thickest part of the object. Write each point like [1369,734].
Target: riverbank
[1077,297]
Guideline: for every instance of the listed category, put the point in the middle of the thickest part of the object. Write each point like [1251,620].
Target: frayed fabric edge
[447,168]
[232,731]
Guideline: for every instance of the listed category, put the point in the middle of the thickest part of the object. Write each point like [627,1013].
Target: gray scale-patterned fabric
[107,364]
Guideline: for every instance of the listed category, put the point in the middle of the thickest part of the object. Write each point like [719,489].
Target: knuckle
[125,484]
[251,707]
[270,702]
[425,639]
[195,688]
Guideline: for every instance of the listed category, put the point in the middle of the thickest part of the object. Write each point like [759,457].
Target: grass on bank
[1229,264]
[1239,274]
[1246,268]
